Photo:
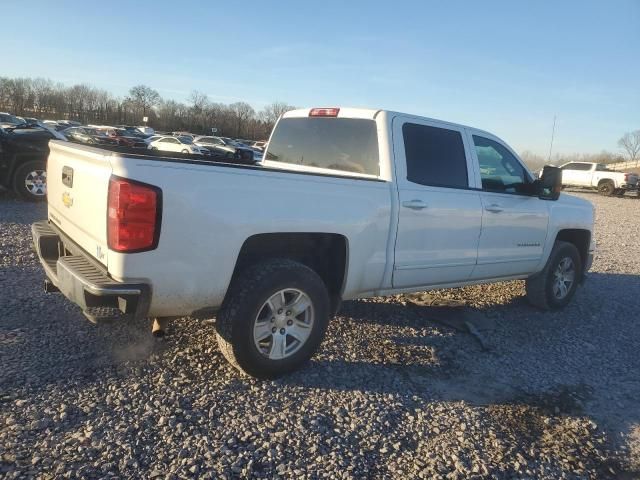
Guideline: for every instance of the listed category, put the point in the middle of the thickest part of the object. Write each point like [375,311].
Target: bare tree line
[46,99]
[42,98]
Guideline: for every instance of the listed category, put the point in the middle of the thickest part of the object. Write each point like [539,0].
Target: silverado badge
[67,200]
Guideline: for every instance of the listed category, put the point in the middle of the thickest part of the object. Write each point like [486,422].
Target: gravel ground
[391,394]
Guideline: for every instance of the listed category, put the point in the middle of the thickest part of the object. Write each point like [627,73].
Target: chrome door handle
[414,204]
[495,208]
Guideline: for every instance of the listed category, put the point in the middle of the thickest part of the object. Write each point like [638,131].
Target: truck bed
[210,208]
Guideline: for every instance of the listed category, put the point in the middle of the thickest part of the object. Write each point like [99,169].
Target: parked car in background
[153,138]
[178,144]
[226,147]
[216,145]
[259,145]
[88,135]
[257,153]
[598,176]
[183,134]
[8,120]
[146,130]
[134,131]
[124,138]
[69,123]
[23,158]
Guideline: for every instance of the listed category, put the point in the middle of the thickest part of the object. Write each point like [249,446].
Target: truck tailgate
[77,188]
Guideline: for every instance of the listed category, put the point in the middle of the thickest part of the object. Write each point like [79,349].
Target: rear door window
[345,144]
[435,156]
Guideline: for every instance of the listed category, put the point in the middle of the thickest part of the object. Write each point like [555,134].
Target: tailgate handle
[67,176]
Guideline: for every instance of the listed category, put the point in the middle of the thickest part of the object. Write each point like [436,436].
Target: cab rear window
[345,144]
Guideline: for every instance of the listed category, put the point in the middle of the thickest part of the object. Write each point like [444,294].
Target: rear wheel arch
[606,186]
[324,253]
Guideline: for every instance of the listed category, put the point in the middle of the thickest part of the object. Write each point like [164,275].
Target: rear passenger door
[439,217]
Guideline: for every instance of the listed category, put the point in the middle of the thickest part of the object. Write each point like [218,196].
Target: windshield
[347,144]
[186,140]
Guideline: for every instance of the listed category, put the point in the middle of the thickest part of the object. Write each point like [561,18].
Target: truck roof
[372,113]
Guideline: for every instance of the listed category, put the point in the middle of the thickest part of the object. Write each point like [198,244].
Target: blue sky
[503,66]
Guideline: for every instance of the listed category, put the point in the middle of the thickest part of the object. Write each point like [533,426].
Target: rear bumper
[628,187]
[83,281]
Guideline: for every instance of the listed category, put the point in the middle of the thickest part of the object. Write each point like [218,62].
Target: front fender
[567,213]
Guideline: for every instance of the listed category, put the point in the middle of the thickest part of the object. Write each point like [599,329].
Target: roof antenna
[553,131]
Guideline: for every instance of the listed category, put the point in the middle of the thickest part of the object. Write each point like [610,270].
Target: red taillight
[626,177]
[133,220]
[324,112]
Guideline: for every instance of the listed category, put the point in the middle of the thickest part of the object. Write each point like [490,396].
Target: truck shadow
[577,361]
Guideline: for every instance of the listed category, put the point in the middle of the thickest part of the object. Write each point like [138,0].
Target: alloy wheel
[564,276]
[283,324]
[36,183]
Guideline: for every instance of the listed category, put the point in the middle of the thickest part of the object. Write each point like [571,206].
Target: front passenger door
[514,221]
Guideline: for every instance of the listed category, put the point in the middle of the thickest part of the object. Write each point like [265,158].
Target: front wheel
[30,181]
[273,319]
[553,287]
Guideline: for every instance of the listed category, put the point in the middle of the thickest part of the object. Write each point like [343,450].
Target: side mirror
[550,183]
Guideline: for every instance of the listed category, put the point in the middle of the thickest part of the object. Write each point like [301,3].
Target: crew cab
[598,176]
[347,203]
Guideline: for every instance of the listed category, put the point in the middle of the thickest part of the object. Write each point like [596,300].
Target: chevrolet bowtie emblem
[67,200]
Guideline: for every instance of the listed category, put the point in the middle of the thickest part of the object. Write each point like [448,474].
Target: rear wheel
[30,181]
[606,187]
[273,319]
[553,287]
[185,151]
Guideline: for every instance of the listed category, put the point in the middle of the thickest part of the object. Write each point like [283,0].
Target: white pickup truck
[347,203]
[598,176]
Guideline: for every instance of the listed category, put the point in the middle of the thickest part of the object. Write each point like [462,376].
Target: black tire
[23,174]
[606,188]
[243,303]
[185,151]
[540,287]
